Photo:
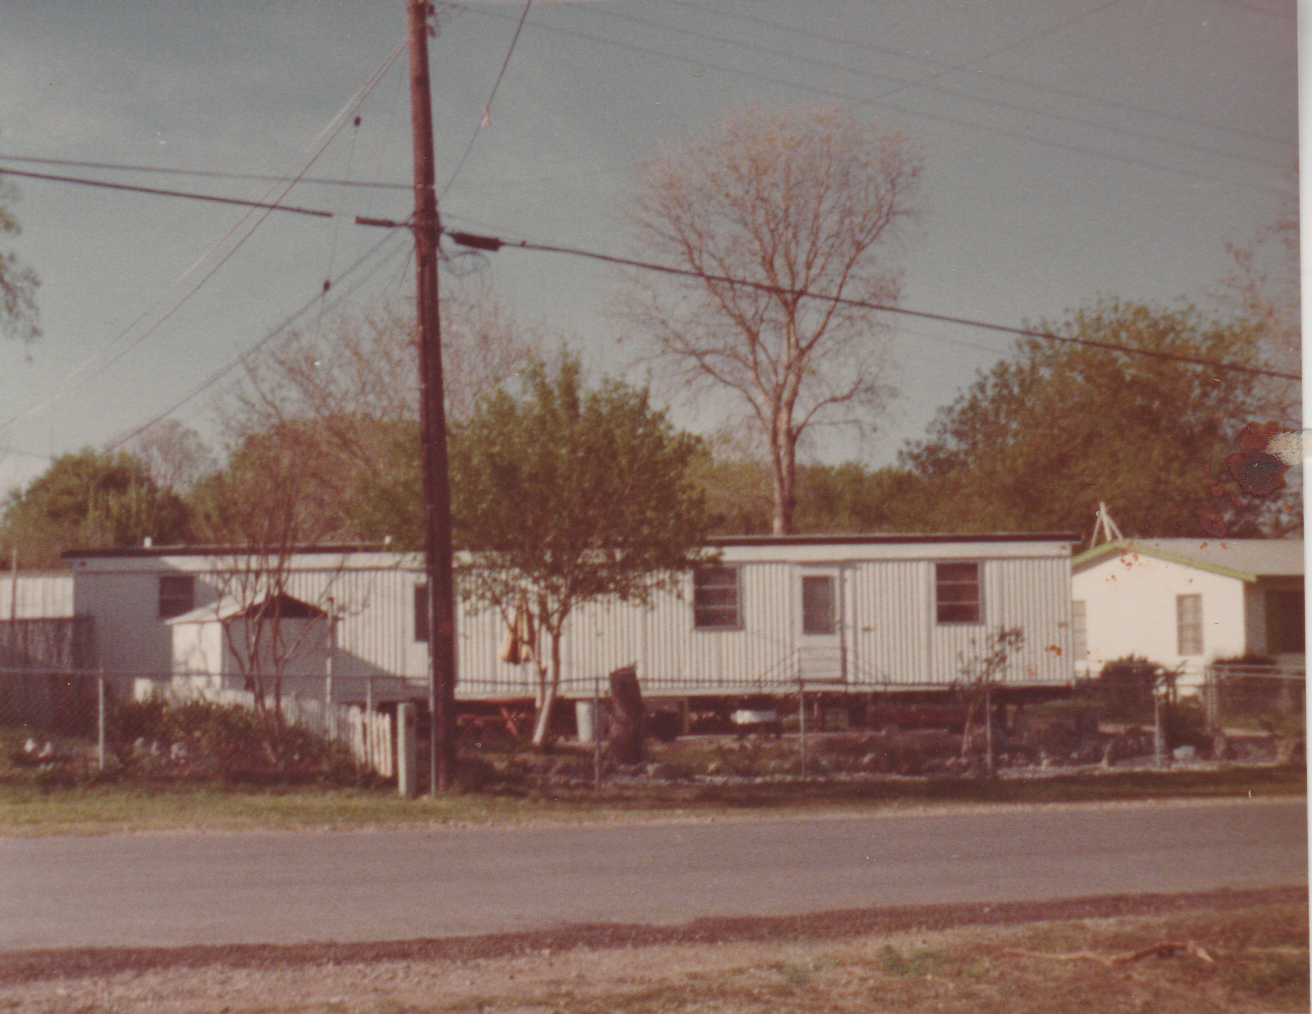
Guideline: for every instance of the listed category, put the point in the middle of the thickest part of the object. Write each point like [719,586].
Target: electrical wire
[209,173]
[1017,135]
[319,298]
[6,171]
[486,121]
[723,11]
[316,148]
[492,244]
[922,84]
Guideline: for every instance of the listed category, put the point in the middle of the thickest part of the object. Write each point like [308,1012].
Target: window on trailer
[421,613]
[177,595]
[957,588]
[715,598]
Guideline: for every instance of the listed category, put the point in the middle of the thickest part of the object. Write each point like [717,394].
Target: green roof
[1242,559]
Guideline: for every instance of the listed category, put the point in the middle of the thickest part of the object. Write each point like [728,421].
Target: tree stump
[625,737]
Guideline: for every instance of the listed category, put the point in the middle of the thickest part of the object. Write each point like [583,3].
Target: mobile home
[858,613]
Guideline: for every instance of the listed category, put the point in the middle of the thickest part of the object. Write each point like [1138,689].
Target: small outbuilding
[216,646]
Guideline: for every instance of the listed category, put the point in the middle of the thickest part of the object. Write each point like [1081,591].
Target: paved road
[179,889]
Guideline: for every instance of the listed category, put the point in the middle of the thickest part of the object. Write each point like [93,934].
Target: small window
[818,604]
[1080,628]
[177,595]
[958,592]
[715,598]
[421,613]
[1189,624]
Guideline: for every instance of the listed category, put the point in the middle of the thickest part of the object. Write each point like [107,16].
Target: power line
[319,298]
[324,138]
[487,108]
[5,171]
[1017,135]
[208,173]
[492,244]
[737,15]
[922,84]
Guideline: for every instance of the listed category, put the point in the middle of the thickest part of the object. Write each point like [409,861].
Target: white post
[1158,736]
[329,713]
[407,761]
[369,719]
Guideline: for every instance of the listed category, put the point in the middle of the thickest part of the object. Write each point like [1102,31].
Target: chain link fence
[1256,698]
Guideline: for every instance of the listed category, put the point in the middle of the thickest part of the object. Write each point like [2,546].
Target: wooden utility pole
[432,417]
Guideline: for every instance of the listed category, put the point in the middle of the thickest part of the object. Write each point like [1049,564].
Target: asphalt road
[176,889]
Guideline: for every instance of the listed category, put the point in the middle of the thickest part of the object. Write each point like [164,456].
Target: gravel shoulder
[957,957]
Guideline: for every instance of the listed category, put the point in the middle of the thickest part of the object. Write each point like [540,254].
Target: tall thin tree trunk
[542,725]
[783,460]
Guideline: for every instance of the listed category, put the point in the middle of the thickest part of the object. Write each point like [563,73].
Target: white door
[820,652]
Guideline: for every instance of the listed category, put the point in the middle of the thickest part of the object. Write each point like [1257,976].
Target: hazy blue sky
[1072,148]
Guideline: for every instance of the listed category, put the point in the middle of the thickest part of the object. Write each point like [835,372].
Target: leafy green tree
[18,282]
[1042,438]
[564,495]
[91,499]
[851,498]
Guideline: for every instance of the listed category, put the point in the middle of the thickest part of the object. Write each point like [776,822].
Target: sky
[1073,149]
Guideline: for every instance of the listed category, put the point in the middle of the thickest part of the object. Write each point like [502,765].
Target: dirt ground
[1224,951]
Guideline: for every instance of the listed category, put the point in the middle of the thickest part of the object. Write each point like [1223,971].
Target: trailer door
[821,654]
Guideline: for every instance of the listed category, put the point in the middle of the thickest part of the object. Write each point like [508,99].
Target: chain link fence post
[100,718]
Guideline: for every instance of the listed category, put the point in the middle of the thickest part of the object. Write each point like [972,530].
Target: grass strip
[140,806]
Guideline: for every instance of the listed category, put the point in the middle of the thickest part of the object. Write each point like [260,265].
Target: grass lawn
[136,805]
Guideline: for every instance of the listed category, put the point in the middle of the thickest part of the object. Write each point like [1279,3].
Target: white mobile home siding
[887,624]
[38,596]
[887,631]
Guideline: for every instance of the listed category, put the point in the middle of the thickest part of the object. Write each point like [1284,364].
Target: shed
[1185,602]
[271,633]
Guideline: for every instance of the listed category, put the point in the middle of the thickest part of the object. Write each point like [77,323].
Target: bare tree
[1264,285]
[805,205]
[175,456]
[349,392]
[18,282]
[262,509]
[980,672]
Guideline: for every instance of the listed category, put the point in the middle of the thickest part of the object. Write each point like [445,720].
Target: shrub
[205,739]
[1124,688]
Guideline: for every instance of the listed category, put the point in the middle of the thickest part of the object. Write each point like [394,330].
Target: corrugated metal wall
[889,632]
[40,596]
[891,637]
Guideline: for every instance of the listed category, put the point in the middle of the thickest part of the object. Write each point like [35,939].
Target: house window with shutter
[177,595]
[957,592]
[715,598]
[1189,624]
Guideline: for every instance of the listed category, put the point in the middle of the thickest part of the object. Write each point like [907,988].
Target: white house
[1185,602]
[866,612]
